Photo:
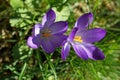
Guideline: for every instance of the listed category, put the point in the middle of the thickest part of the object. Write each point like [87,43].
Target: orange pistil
[46,34]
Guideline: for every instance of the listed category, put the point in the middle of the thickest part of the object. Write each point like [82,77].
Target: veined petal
[65,50]
[47,46]
[33,41]
[36,29]
[80,51]
[83,22]
[49,18]
[59,27]
[93,52]
[93,35]
[58,39]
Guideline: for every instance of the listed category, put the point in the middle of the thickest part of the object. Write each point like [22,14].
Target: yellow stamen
[78,39]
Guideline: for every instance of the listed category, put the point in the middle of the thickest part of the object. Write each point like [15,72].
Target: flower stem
[40,63]
[51,65]
[23,71]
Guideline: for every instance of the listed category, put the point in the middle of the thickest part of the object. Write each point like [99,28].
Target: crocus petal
[36,29]
[33,41]
[97,54]
[49,18]
[65,50]
[78,48]
[58,39]
[47,46]
[72,34]
[93,52]
[93,35]
[84,21]
[59,27]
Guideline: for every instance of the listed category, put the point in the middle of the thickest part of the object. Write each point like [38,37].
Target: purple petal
[33,41]
[80,51]
[65,50]
[97,54]
[72,34]
[58,39]
[47,46]
[93,52]
[59,27]
[83,22]
[36,29]
[49,18]
[93,35]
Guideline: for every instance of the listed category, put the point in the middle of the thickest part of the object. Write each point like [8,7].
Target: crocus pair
[50,35]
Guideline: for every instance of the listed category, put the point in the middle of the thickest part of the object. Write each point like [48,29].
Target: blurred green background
[17,18]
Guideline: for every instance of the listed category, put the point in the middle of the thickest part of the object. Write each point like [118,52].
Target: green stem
[24,67]
[51,65]
[23,71]
[40,63]
[93,69]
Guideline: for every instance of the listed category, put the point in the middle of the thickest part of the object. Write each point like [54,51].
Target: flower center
[78,39]
[46,34]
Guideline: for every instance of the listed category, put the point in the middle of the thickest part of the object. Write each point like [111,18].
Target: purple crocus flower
[49,34]
[80,39]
